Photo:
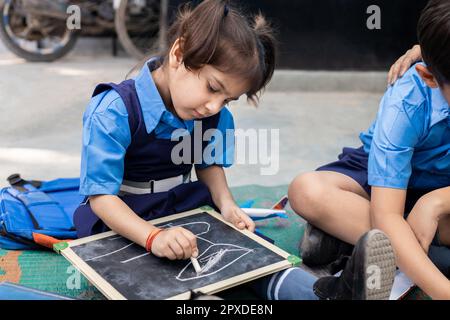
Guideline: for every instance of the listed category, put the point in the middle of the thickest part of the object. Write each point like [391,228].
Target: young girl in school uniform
[128,171]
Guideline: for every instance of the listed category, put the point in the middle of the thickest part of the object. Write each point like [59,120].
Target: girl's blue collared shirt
[106,135]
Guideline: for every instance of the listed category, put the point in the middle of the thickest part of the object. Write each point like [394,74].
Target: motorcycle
[46,30]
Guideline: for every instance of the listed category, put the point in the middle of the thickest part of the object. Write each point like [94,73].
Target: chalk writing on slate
[137,274]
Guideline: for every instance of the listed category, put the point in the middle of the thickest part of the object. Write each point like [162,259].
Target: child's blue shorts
[354,164]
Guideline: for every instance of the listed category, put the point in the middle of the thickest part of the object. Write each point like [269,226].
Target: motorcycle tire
[32,56]
[156,43]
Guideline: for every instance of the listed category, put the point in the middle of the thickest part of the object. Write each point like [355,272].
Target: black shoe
[318,248]
[368,275]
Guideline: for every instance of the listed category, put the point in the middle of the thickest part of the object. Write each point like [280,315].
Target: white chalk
[196,265]
[257,212]
[213,260]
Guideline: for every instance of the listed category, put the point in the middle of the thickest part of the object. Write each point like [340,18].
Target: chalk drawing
[210,259]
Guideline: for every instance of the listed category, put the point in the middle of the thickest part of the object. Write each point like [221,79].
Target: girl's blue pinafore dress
[147,161]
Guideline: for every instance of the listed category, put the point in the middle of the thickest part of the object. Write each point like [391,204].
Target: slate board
[134,274]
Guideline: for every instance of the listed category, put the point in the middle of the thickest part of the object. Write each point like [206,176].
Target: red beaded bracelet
[151,237]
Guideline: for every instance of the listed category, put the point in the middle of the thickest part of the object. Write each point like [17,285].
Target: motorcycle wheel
[33,49]
[141,26]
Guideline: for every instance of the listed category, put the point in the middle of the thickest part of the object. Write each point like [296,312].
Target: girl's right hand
[175,244]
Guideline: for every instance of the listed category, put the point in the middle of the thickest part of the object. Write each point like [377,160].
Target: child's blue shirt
[106,135]
[409,142]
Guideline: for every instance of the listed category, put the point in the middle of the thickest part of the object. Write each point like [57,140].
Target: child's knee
[433,203]
[305,192]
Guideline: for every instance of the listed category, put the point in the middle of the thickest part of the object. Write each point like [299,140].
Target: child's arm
[427,212]
[173,243]
[386,212]
[215,180]
[106,137]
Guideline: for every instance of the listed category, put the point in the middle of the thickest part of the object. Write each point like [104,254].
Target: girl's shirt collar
[153,109]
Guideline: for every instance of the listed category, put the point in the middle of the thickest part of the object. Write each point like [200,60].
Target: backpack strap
[127,92]
[16,181]
[45,213]
[23,241]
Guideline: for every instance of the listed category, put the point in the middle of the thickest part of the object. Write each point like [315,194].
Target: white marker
[257,212]
[196,265]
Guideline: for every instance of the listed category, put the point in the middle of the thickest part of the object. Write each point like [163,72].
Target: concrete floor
[42,105]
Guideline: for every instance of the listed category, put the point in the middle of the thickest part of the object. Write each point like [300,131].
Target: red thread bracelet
[151,237]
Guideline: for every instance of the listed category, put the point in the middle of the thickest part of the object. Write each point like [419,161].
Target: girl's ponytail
[200,31]
[266,48]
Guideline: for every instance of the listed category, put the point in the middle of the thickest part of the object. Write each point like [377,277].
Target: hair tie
[225,10]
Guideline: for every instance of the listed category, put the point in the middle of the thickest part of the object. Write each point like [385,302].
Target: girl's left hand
[234,215]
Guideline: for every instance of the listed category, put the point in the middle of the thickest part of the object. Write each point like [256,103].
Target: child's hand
[175,243]
[402,65]
[423,220]
[234,215]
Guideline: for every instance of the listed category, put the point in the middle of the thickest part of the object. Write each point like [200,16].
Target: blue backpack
[37,214]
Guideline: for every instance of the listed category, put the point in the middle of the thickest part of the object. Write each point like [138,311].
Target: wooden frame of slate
[129,272]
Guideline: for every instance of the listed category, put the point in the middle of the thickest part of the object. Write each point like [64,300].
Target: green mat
[51,272]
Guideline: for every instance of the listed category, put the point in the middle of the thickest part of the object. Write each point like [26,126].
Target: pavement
[316,113]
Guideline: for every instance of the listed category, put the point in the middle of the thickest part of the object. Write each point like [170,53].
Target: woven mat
[51,272]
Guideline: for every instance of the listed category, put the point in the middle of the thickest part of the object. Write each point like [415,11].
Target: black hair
[216,33]
[434,37]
